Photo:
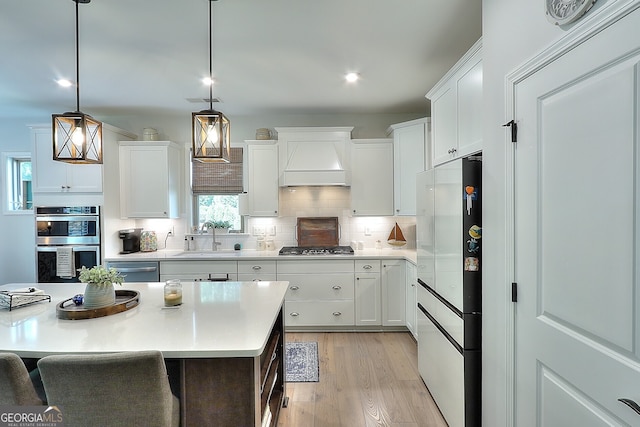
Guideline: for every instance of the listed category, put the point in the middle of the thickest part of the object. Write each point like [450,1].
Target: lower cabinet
[250,271]
[367,293]
[321,293]
[393,292]
[235,391]
[411,301]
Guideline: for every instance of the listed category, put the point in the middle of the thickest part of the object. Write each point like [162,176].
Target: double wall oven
[67,238]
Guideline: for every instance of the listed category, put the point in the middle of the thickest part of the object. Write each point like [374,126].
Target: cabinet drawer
[257,267]
[197,277]
[302,266]
[318,287]
[319,313]
[367,266]
[258,277]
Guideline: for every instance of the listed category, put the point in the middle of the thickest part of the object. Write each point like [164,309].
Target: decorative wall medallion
[561,12]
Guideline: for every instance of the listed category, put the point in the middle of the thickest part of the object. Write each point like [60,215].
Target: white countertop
[216,319]
[249,254]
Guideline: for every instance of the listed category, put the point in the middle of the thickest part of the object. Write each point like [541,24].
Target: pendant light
[210,128]
[77,137]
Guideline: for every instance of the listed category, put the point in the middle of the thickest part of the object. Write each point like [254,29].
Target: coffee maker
[130,240]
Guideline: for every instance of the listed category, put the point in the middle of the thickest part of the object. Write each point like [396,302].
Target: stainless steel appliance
[317,236]
[138,271]
[448,230]
[67,238]
[130,240]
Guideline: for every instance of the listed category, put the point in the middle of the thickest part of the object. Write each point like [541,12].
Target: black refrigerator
[449,308]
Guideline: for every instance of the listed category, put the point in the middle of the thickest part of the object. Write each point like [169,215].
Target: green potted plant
[222,225]
[99,291]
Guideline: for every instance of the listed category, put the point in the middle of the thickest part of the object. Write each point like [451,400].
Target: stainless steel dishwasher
[137,271]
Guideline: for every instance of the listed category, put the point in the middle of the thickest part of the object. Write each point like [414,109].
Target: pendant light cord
[210,59]
[77,59]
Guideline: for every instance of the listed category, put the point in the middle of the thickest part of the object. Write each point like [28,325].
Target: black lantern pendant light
[210,128]
[77,137]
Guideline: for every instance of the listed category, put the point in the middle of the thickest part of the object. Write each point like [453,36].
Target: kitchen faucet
[208,225]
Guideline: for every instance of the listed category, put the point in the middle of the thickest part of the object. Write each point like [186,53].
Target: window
[215,188]
[18,191]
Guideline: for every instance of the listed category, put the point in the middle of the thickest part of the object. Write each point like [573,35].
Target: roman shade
[218,178]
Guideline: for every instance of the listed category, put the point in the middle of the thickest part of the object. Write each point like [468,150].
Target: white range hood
[314,156]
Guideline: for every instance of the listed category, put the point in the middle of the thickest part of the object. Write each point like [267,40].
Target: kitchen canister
[149,134]
[148,241]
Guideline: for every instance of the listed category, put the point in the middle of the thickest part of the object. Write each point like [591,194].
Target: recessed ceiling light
[352,77]
[64,82]
[208,81]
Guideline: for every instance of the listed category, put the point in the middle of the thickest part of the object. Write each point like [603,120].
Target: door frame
[605,17]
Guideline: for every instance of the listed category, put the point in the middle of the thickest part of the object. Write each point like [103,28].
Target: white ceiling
[269,57]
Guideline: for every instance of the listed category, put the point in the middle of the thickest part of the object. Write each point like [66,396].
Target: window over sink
[216,188]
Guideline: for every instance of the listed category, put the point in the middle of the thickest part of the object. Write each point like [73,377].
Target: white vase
[98,296]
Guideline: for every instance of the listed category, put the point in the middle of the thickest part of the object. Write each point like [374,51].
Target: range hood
[314,156]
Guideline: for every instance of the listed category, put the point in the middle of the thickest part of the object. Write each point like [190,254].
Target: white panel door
[577,192]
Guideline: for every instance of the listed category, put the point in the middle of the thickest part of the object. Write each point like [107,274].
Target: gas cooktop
[316,250]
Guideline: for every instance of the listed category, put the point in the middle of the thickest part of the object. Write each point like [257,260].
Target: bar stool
[16,387]
[116,389]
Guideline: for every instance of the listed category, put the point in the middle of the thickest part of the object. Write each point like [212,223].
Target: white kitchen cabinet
[150,177]
[50,176]
[372,177]
[249,271]
[409,142]
[393,292]
[195,271]
[456,109]
[411,299]
[321,292]
[262,181]
[368,309]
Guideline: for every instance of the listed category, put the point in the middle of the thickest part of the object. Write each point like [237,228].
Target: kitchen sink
[207,254]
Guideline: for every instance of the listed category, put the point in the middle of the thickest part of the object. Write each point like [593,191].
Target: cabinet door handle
[336,287]
[256,267]
[294,288]
[337,313]
[367,267]
[631,404]
[294,314]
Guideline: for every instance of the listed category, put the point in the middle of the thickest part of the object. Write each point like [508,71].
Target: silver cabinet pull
[256,267]
[336,287]
[294,288]
[337,313]
[294,314]
[367,267]
[631,404]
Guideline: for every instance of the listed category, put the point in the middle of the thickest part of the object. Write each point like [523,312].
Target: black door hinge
[514,292]
[514,130]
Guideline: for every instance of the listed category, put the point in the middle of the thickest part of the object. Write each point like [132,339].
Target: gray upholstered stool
[16,387]
[117,389]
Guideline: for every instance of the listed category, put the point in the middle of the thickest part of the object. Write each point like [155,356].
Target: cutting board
[320,231]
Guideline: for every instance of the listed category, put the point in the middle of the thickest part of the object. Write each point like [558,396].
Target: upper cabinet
[262,178]
[372,177]
[150,174]
[409,158]
[51,176]
[456,109]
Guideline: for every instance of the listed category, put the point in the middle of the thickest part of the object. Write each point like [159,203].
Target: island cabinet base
[238,391]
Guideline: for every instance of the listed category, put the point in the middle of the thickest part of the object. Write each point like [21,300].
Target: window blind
[218,178]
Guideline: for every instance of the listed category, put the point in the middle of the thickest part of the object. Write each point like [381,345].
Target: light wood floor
[366,379]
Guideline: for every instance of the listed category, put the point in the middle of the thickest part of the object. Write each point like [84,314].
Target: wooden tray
[125,300]
[320,231]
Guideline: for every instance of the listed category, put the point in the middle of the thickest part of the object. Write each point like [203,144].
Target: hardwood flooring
[366,379]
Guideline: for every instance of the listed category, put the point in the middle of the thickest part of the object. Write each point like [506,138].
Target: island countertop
[216,319]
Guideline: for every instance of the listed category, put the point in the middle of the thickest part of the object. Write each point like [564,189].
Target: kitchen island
[226,341]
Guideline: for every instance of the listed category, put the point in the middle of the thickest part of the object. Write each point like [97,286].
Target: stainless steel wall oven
[67,238]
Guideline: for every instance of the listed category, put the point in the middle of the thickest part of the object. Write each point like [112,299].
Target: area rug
[301,362]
